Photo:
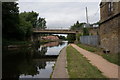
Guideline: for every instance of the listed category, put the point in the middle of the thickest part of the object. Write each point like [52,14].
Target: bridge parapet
[56,31]
[51,29]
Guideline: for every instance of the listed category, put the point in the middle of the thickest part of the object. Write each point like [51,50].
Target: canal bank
[60,69]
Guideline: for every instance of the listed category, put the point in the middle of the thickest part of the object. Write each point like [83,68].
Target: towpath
[60,70]
[108,69]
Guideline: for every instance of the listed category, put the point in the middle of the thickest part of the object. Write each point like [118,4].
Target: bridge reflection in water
[30,62]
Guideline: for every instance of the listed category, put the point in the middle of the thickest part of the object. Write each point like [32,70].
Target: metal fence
[90,40]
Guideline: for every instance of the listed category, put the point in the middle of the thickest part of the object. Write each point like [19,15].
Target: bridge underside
[51,33]
[36,31]
[54,32]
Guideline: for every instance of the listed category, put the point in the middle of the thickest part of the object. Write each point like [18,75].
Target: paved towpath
[108,69]
[60,70]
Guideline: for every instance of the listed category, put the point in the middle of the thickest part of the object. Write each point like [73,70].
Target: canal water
[31,62]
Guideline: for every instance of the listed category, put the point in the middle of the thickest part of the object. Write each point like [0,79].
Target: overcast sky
[62,14]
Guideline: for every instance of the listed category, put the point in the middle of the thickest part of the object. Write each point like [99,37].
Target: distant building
[109,26]
[87,25]
[50,38]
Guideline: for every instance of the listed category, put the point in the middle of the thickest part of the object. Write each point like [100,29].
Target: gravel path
[108,69]
[60,70]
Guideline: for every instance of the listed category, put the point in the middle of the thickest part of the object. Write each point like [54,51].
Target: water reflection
[30,62]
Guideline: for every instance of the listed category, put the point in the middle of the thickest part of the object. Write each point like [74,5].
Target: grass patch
[113,58]
[89,48]
[79,67]
[15,42]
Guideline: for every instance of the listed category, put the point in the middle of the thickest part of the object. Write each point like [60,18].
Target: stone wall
[109,34]
[105,14]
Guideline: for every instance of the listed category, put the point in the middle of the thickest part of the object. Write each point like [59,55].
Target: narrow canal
[31,62]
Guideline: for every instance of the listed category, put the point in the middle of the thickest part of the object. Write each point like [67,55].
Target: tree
[30,17]
[85,31]
[19,26]
[78,36]
[71,38]
[25,29]
[41,23]
[62,37]
[77,26]
[28,21]
[10,20]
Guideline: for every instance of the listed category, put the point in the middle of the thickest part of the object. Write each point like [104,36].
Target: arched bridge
[54,31]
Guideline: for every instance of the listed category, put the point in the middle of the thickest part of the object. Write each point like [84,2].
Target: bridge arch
[55,31]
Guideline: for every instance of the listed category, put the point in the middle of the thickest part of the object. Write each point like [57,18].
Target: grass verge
[89,48]
[15,42]
[113,58]
[79,67]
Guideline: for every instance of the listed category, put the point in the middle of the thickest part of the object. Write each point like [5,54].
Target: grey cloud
[61,0]
[62,14]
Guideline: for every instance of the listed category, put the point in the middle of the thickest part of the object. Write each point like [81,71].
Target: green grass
[15,42]
[79,67]
[111,57]
[89,48]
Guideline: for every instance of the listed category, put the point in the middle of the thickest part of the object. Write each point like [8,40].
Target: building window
[110,6]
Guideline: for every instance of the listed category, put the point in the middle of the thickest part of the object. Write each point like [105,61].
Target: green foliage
[11,42]
[28,21]
[71,38]
[10,20]
[41,23]
[97,23]
[77,26]
[78,36]
[79,67]
[113,58]
[62,37]
[85,31]
[19,26]
[89,48]
[32,17]
[25,28]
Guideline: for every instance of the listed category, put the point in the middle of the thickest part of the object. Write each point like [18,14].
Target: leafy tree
[77,26]
[85,31]
[19,26]
[10,20]
[30,17]
[78,36]
[25,29]
[29,20]
[71,38]
[41,23]
[62,37]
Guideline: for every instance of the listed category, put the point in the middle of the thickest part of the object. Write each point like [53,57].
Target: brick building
[50,38]
[110,26]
